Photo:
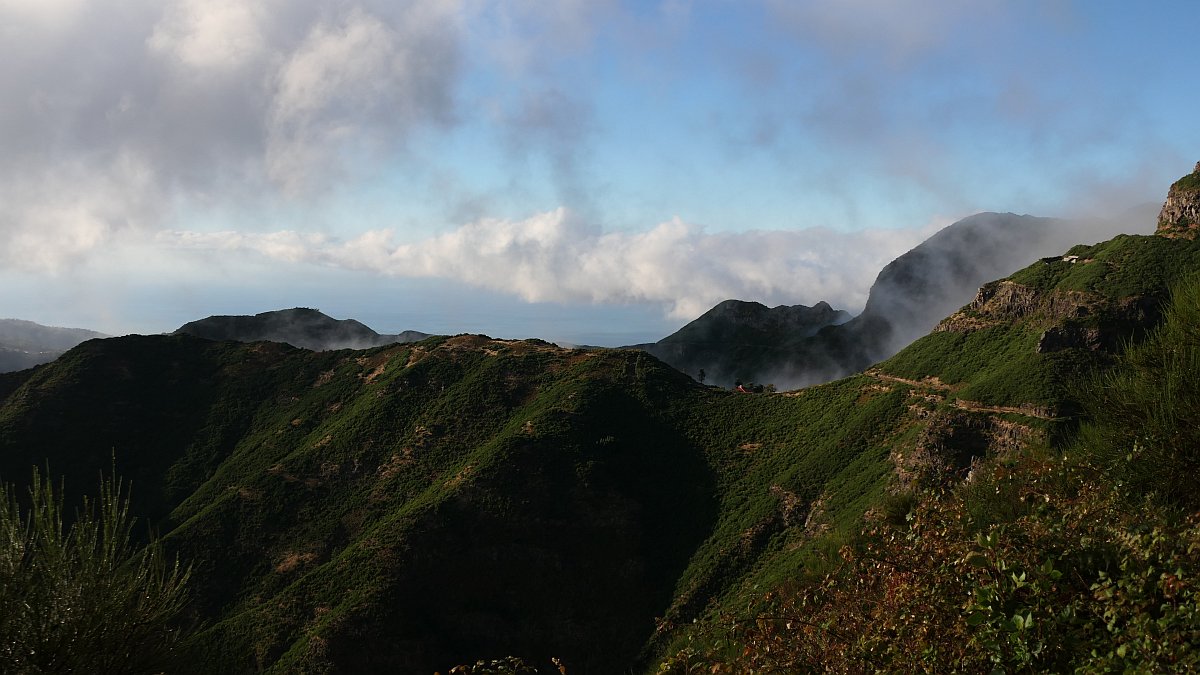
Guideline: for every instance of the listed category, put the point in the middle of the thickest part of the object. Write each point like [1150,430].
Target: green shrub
[82,597]
[1074,582]
[1142,430]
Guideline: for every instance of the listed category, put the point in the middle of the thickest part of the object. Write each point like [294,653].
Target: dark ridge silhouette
[299,327]
[736,330]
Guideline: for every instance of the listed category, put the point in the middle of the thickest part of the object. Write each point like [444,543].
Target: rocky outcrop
[1071,319]
[1107,327]
[1010,300]
[1180,214]
[1005,301]
[1058,338]
[951,443]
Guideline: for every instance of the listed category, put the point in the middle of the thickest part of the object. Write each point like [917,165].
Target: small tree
[83,597]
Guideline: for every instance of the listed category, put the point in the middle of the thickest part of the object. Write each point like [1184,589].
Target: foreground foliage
[83,597]
[1077,580]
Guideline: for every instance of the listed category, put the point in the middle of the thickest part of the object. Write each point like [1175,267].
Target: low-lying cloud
[557,257]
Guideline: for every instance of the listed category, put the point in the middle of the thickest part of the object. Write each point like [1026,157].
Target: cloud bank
[123,113]
[556,257]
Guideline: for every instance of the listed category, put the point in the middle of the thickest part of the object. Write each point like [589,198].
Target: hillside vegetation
[1079,560]
[411,507]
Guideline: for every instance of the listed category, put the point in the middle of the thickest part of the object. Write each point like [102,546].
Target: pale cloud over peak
[555,257]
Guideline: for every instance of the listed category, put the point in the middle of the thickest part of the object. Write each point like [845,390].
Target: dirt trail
[929,382]
[962,404]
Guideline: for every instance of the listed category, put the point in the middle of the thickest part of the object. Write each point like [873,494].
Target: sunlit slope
[995,377]
[1026,339]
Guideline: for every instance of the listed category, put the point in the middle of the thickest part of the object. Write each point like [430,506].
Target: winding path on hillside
[962,404]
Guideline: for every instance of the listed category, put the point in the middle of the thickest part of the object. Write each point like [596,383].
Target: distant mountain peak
[25,344]
[302,327]
[719,340]
[911,294]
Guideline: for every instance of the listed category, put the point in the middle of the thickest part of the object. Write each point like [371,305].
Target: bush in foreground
[80,595]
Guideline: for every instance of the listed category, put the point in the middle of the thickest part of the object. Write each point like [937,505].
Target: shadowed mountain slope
[299,327]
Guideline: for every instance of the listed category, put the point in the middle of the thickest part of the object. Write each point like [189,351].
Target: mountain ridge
[301,327]
[336,485]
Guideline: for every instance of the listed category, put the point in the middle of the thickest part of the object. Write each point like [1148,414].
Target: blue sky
[585,171]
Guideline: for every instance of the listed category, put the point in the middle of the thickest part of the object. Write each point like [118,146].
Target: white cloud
[124,112]
[221,35]
[555,257]
[359,82]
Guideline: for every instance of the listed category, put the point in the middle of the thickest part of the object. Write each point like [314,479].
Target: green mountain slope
[1026,339]
[1079,558]
[410,507]
[461,498]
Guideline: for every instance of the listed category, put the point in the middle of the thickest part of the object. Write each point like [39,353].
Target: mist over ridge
[911,294]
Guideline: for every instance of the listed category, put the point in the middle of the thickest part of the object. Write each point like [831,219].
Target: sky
[585,171]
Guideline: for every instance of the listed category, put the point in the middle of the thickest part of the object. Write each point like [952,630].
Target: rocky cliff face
[1070,318]
[1180,215]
